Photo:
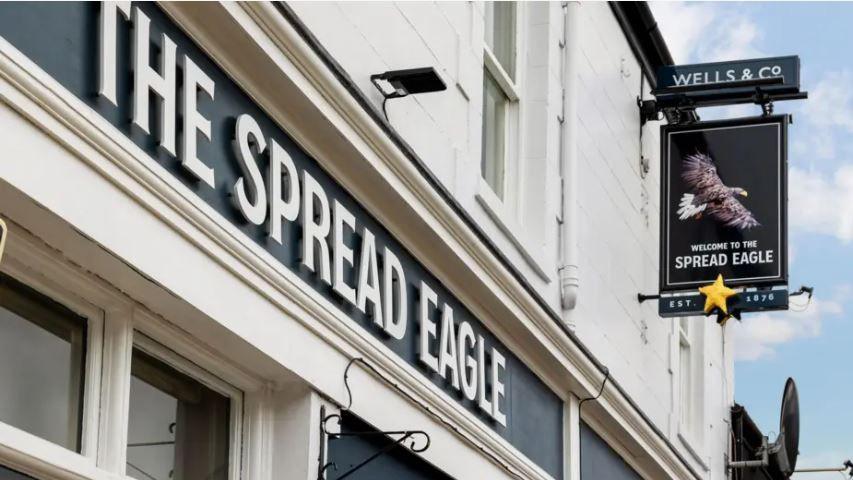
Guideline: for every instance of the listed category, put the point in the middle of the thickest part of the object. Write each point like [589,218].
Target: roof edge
[644,36]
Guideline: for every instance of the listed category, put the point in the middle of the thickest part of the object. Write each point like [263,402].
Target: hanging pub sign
[724,203]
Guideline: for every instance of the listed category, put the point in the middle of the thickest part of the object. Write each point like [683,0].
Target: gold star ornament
[716,295]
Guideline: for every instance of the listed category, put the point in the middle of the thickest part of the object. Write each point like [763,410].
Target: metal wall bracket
[652,110]
[405,438]
[642,297]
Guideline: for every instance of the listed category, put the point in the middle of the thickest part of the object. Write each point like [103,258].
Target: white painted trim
[199,373]
[500,75]
[506,212]
[115,392]
[29,265]
[40,458]
[510,227]
[572,464]
[30,262]
[259,442]
[186,346]
[688,445]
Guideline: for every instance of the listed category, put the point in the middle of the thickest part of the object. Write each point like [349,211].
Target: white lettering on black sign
[285,194]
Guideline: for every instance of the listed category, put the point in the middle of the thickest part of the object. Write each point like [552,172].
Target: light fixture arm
[411,81]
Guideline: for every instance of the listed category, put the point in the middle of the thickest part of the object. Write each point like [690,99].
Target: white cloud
[830,102]
[822,203]
[682,25]
[829,115]
[707,32]
[758,335]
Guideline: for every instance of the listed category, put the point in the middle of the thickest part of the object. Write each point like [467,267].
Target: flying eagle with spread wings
[709,195]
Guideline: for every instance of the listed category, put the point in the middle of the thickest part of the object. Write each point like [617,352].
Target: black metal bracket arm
[804,290]
[678,104]
[405,438]
[642,297]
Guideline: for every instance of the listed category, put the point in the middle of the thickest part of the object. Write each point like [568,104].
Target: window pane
[178,428]
[500,33]
[494,126]
[41,364]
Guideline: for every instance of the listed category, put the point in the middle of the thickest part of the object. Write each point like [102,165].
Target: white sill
[689,443]
[508,225]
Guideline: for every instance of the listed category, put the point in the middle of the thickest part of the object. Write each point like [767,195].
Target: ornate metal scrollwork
[406,438]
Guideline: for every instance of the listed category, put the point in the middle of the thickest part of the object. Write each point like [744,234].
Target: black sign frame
[757,80]
[732,75]
[666,203]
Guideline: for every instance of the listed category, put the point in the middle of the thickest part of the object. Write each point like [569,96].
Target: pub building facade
[231,256]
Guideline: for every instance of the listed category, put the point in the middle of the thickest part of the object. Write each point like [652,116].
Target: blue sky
[814,346]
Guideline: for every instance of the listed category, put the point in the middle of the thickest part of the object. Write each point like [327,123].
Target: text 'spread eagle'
[710,196]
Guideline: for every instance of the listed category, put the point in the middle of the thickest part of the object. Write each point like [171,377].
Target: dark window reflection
[42,350]
[179,428]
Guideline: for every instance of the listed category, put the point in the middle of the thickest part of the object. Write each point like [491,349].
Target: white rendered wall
[618,241]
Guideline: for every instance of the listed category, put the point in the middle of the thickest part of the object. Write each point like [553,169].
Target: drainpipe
[568,271]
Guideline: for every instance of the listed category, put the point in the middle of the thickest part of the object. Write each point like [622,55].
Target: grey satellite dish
[784,450]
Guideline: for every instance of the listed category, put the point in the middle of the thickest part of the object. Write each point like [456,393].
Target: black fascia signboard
[724,203]
[323,235]
[717,74]
[718,83]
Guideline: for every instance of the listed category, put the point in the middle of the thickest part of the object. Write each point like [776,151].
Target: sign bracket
[679,103]
[404,438]
[688,303]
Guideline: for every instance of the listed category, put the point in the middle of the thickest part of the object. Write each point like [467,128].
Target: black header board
[719,73]
[724,203]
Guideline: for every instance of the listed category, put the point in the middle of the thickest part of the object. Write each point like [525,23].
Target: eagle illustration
[709,195]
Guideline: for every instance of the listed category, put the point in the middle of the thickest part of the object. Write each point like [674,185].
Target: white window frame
[506,212]
[506,207]
[196,372]
[116,324]
[691,430]
[32,265]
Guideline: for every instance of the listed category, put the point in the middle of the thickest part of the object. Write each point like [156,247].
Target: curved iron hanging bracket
[405,438]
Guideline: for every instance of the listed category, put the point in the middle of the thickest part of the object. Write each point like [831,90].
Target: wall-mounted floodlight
[407,82]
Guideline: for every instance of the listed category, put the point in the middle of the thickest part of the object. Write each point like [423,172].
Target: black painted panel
[7,474]
[599,461]
[62,38]
[399,463]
